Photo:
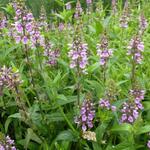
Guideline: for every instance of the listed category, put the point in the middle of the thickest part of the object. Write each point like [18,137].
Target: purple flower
[26,29]
[19,27]
[135,49]
[78,10]
[88,1]
[143,24]
[113,108]
[8,78]
[7,144]
[2,147]
[3,22]
[51,55]
[131,109]
[148,144]
[78,55]
[84,128]
[68,6]
[24,40]
[105,104]
[18,39]
[61,27]
[103,51]
[125,16]
[86,117]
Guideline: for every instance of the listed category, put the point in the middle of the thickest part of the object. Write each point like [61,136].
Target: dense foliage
[77,78]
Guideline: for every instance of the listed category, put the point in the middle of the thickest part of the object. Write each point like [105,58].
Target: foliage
[41,93]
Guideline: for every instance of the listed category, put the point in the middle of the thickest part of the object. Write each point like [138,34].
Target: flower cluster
[3,22]
[103,51]
[87,114]
[130,109]
[61,27]
[125,16]
[68,6]
[78,55]
[52,55]
[26,29]
[143,24]
[104,103]
[43,19]
[9,78]
[7,144]
[35,36]
[78,10]
[135,49]
[137,94]
[88,2]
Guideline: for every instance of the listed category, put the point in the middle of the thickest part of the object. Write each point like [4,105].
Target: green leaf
[66,136]
[100,130]
[146,105]
[53,117]
[142,130]
[60,16]
[124,146]
[122,128]
[16,115]
[62,100]
[93,67]
[7,122]
[99,27]
[96,146]
[31,136]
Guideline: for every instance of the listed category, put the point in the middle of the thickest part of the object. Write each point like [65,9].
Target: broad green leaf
[7,123]
[142,130]
[100,131]
[16,115]
[66,136]
[122,128]
[31,136]
[54,117]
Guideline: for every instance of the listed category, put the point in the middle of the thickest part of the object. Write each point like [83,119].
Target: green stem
[65,117]
[28,62]
[133,71]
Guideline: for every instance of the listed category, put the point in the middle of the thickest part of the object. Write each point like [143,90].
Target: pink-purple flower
[125,16]
[78,54]
[103,51]
[26,29]
[131,109]
[86,117]
[68,6]
[106,104]
[78,10]
[7,144]
[3,22]
[51,54]
[143,23]
[135,49]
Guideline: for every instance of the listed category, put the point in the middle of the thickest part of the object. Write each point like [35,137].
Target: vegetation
[74,75]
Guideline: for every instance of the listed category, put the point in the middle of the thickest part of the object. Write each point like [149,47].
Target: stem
[39,58]
[70,125]
[133,71]
[19,103]
[78,85]
[104,74]
[28,62]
